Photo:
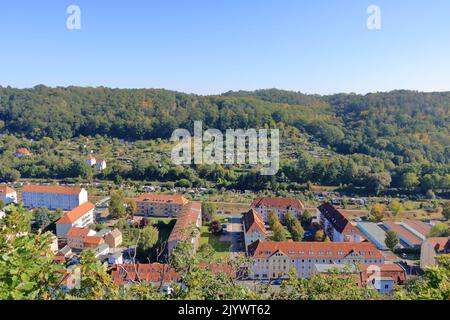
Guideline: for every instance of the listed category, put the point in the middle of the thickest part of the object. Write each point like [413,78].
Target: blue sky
[212,46]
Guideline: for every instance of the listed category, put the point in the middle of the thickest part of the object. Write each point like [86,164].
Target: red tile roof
[78,232]
[23,151]
[403,232]
[441,245]
[162,198]
[52,189]
[90,157]
[93,240]
[273,202]
[5,190]
[77,213]
[421,227]
[338,220]
[154,273]
[186,218]
[392,270]
[314,250]
[252,221]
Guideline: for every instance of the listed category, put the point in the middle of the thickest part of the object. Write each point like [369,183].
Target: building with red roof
[76,237]
[275,259]
[161,205]
[53,197]
[22,152]
[407,238]
[185,229]
[80,217]
[8,195]
[337,226]
[155,273]
[254,227]
[281,206]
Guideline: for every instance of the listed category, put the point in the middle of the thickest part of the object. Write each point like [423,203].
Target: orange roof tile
[186,218]
[52,189]
[162,198]
[278,203]
[154,272]
[440,244]
[77,213]
[5,190]
[78,232]
[252,221]
[93,240]
[403,232]
[90,157]
[314,250]
[23,151]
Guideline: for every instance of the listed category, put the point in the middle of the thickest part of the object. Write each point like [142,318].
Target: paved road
[235,230]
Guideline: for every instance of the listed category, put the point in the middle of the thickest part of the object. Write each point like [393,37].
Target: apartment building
[274,260]
[53,197]
[254,228]
[189,219]
[336,224]
[281,206]
[8,195]
[160,205]
[80,217]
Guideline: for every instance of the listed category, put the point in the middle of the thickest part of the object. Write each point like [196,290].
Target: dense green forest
[396,139]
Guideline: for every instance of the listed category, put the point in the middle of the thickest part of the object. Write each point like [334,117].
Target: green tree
[435,285]
[131,208]
[396,208]
[439,230]
[391,240]
[148,238]
[333,286]
[41,218]
[410,181]
[116,205]
[446,210]
[377,212]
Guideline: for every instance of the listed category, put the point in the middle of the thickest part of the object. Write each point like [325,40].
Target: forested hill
[401,126]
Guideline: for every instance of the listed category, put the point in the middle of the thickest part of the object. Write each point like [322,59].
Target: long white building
[53,197]
[274,260]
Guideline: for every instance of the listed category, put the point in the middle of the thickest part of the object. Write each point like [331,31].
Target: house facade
[76,237]
[160,205]
[281,206]
[114,238]
[80,217]
[336,225]
[53,197]
[274,260]
[8,195]
[254,228]
[431,249]
[186,227]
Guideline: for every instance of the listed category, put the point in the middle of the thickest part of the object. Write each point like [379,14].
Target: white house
[8,195]
[431,249]
[336,225]
[53,197]
[80,217]
[100,165]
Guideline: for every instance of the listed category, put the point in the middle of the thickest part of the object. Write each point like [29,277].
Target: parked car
[277,282]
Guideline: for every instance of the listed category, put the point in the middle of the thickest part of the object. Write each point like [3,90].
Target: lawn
[222,248]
